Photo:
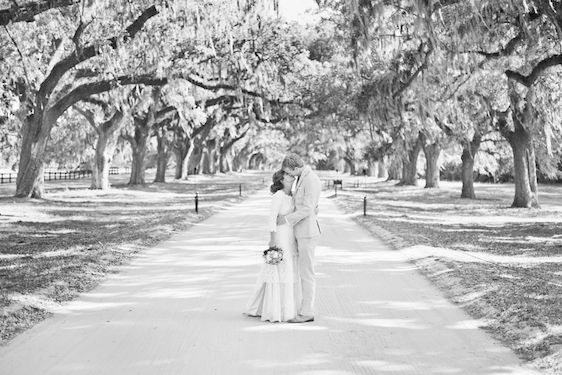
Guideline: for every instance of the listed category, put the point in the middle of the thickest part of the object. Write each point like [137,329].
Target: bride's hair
[277,179]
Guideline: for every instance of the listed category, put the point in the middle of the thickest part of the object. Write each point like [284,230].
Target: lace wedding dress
[276,293]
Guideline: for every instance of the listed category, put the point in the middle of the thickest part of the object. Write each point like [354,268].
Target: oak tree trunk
[525,177]
[179,153]
[350,166]
[240,160]
[395,169]
[162,155]
[35,134]
[139,149]
[105,146]
[382,171]
[255,161]
[470,149]
[432,152]
[194,163]
[208,162]
[521,141]
[198,146]
[372,167]
[410,164]
[183,154]
[224,163]
[102,159]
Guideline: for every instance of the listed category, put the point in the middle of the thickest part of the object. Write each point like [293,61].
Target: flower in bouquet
[273,255]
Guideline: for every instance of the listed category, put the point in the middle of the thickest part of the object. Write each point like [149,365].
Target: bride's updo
[277,182]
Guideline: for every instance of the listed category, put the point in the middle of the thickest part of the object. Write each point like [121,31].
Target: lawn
[502,265]
[54,248]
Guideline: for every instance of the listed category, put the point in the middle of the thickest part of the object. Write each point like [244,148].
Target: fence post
[365,205]
[336,190]
[196,202]
[240,189]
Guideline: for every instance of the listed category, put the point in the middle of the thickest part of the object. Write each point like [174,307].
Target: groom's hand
[281,220]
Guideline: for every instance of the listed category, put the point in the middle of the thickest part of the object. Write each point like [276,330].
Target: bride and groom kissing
[285,291]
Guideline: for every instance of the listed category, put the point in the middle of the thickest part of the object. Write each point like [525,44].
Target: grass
[502,265]
[54,248]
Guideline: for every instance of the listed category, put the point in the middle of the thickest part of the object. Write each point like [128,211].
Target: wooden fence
[6,178]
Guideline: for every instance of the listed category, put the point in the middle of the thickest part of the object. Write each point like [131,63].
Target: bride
[274,298]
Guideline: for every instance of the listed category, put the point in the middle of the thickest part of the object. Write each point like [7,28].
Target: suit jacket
[307,194]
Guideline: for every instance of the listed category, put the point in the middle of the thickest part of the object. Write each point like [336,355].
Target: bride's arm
[276,202]
[272,239]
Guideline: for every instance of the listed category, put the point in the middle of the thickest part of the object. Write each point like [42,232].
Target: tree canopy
[370,84]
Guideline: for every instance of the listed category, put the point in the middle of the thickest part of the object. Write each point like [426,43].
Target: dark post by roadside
[196,202]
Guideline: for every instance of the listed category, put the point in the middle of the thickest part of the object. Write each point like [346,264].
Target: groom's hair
[292,161]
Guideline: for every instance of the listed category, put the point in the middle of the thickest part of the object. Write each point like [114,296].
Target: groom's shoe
[301,319]
[252,315]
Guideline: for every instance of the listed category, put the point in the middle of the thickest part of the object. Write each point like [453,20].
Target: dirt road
[177,309]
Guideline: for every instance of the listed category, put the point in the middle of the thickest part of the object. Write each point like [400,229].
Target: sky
[293,9]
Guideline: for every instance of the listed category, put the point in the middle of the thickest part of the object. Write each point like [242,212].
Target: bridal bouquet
[273,255]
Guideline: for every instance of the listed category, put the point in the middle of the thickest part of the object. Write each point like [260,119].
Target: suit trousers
[306,247]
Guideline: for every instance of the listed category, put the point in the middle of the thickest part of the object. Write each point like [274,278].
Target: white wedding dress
[277,293]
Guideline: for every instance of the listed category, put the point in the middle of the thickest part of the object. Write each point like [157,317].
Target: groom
[306,229]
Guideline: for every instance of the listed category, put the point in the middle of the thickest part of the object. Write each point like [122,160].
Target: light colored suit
[306,196]
[307,230]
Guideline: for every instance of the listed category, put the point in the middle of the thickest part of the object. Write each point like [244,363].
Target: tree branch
[501,117]
[530,79]
[411,79]
[78,35]
[28,11]
[223,86]
[88,115]
[100,103]
[88,89]
[507,50]
[19,53]
[223,99]
[162,114]
[206,128]
[88,52]
[116,118]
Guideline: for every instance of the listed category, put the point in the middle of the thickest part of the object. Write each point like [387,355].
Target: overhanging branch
[27,12]
[530,79]
[88,89]
[75,58]
[411,79]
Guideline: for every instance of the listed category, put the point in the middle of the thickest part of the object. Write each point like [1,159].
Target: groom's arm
[281,218]
[310,202]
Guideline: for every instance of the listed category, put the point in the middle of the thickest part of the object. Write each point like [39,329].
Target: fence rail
[6,178]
